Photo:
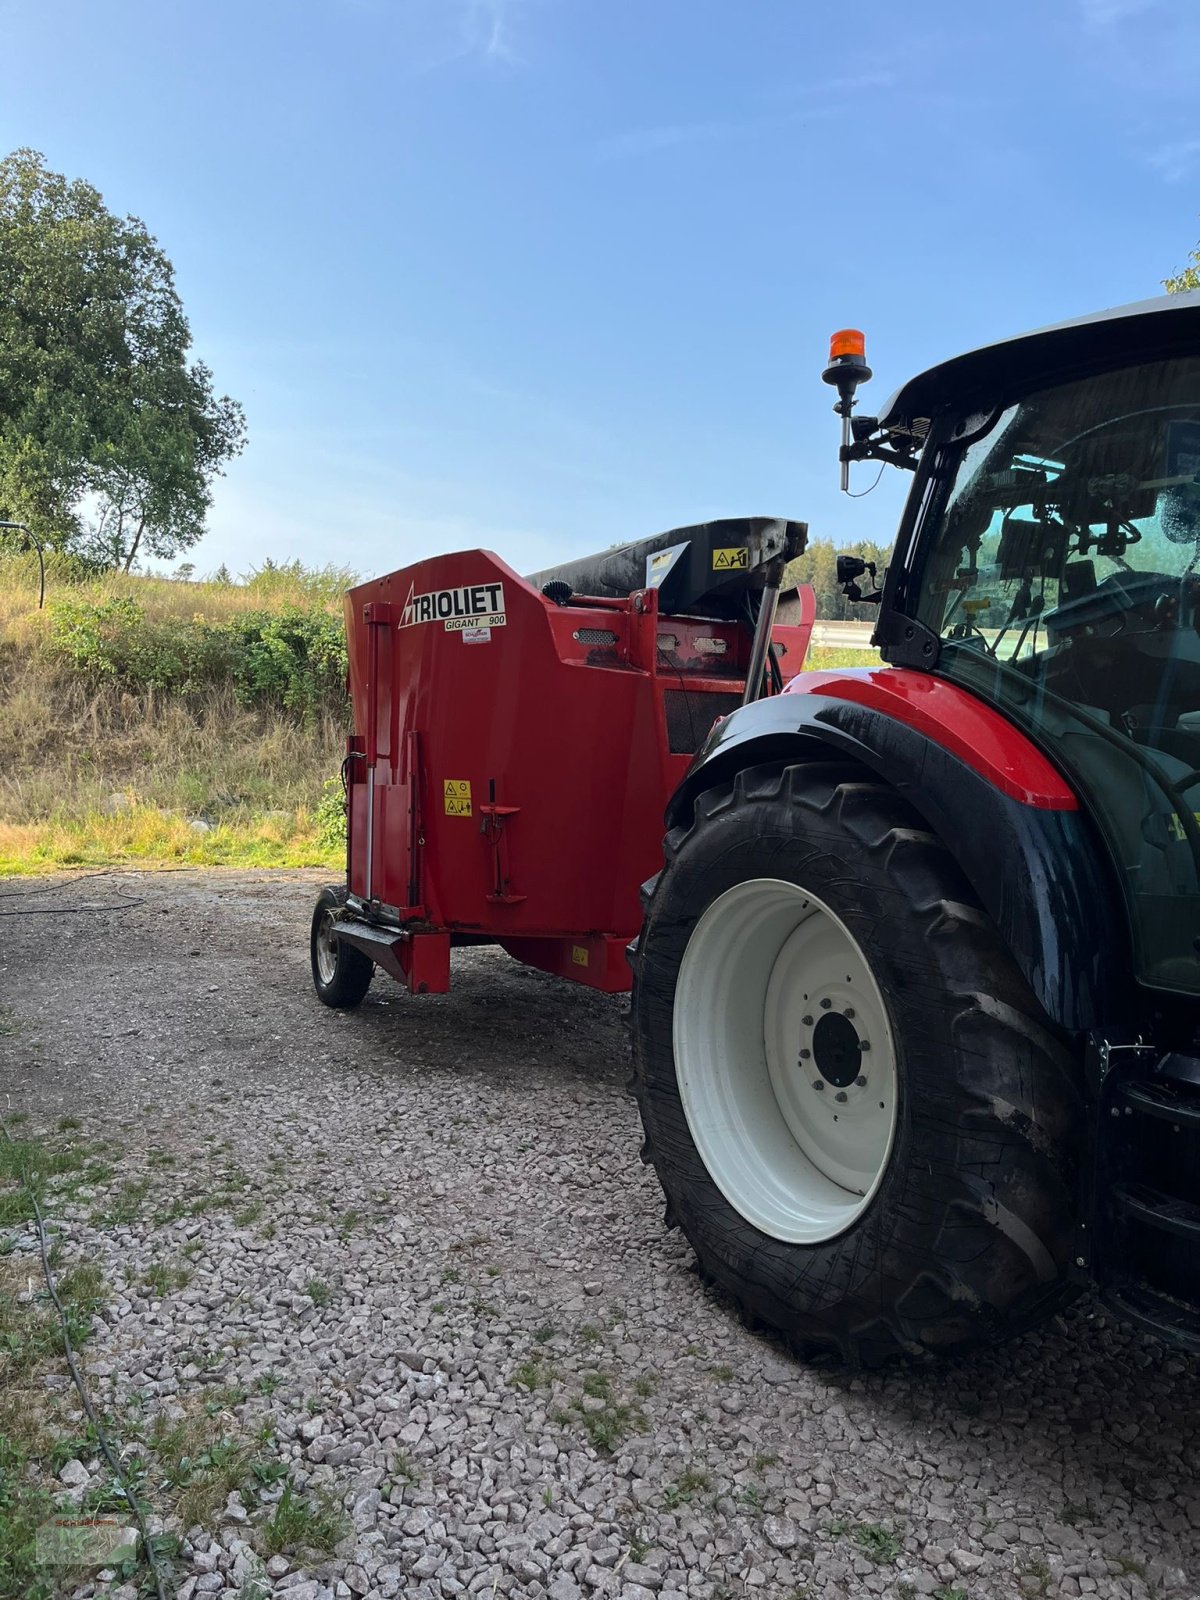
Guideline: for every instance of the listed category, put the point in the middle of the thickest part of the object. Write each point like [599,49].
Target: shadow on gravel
[1100,1397]
[499,1018]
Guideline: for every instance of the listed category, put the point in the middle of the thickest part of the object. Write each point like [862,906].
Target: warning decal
[661,562]
[727,560]
[479,605]
[457,796]
[579,955]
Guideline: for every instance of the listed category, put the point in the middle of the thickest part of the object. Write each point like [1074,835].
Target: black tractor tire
[341,974]
[969,1236]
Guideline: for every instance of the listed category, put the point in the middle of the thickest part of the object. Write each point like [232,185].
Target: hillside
[153,720]
[162,721]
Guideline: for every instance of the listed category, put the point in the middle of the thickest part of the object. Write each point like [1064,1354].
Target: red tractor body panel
[513,758]
[958,721]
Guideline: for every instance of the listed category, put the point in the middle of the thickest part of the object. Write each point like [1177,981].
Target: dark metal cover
[1144,330]
[704,569]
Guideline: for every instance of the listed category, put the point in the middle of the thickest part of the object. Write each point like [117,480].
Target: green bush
[292,659]
[331,815]
[113,641]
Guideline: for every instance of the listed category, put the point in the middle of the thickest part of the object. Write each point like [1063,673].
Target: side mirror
[849,570]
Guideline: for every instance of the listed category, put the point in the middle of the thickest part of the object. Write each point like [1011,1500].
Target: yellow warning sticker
[727,560]
[579,955]
[1176,828]
[457,795]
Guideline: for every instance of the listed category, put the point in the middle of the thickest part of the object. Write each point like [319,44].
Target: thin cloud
[642,141]
[1175,162]
[1108,13]
[670,135]
[487,30]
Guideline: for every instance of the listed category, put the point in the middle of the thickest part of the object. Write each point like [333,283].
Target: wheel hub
[784,1060]
[327,949]
[836,1053]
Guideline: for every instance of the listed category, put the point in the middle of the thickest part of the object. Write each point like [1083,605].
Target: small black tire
[341,974]
[969,1235]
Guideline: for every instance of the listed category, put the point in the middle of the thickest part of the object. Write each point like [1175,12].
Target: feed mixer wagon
[517,740]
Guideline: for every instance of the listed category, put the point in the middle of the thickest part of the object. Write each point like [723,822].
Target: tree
[1189,278]
[109,437]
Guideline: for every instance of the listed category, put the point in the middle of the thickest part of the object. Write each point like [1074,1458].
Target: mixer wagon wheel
[341,974]
[862,1120]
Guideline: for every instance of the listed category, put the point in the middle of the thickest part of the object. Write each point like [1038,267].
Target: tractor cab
[1050,563]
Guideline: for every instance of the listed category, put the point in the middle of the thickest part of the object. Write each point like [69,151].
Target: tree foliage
[109,437]
[1189,278]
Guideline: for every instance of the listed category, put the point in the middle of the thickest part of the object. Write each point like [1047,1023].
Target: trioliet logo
[479,605]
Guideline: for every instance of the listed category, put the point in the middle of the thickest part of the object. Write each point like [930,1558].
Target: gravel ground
[420,1237]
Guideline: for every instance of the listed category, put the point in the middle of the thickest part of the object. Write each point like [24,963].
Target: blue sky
[540,275]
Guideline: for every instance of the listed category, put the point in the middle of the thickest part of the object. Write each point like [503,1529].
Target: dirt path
[411,1254]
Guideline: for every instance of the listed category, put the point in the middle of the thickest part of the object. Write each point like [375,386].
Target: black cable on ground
[122,904]
[81,1387]
[63,883]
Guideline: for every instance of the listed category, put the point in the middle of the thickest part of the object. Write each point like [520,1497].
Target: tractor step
[1173,1320]
[1149,1222]
[1175,1102]
[1158,1210]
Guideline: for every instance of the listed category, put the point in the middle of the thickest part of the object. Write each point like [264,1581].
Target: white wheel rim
[775,997]
[327,948]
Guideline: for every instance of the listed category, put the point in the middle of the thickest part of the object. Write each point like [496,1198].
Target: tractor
[916,969]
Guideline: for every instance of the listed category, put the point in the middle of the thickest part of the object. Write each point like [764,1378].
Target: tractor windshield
[1059,565]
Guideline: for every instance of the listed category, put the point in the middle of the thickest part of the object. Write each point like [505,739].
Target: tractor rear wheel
[341,974]
[861,1118]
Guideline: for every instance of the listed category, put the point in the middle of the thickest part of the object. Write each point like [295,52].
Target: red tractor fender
[1026,845]
[953,718]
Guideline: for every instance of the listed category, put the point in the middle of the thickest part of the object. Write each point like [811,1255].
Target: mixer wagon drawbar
[916,969]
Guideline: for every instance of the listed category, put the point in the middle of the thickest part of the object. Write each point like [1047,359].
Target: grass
[1038,1569]
[533,1374]
[686,1487]
[125,1206]
[148,837]
[162,1278]
[319,1293]
[312,1526]
[609,1419]
[827,659]
[877,1543]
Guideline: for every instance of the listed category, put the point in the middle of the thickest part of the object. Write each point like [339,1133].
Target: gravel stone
[459,1316]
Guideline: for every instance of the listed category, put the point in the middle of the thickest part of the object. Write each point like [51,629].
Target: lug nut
[849,1012]
[825,1004]
[860,1082]
[805,1055]
[864,1044]
[807,1021]
[840,1097]
[818,1084]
